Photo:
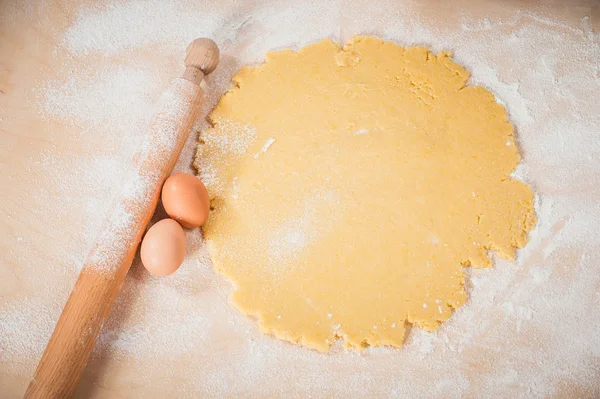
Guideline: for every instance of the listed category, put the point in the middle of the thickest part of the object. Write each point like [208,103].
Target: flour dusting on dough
[390,245]
[476,353]
[225,141]
[296,233]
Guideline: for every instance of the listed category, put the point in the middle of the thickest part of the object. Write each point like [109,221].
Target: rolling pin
[108,262]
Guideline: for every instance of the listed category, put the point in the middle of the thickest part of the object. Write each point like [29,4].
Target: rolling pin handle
[87,308]
[202,57]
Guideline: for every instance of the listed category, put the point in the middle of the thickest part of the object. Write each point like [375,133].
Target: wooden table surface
[46,224]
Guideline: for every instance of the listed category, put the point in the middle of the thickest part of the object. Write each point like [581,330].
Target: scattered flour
[101,28]
[268,144]
[299,231]
[155,153]
[225,140]
[113,90]
[528,328]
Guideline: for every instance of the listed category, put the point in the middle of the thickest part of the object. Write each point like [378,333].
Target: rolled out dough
[350,188]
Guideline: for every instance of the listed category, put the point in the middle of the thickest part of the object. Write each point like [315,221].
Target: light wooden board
[35,234]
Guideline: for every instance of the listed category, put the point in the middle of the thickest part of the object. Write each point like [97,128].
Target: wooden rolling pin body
[109,261]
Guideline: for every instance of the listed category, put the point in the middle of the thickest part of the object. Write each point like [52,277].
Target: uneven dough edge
[523,208]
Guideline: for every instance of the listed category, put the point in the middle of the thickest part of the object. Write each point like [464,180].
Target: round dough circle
[351,186]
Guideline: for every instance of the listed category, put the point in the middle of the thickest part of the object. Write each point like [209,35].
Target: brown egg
[185,199]
[163,248]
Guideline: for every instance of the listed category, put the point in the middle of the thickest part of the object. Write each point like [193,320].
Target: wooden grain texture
[202,57]
[97,287]
[42,245]
[75,334]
